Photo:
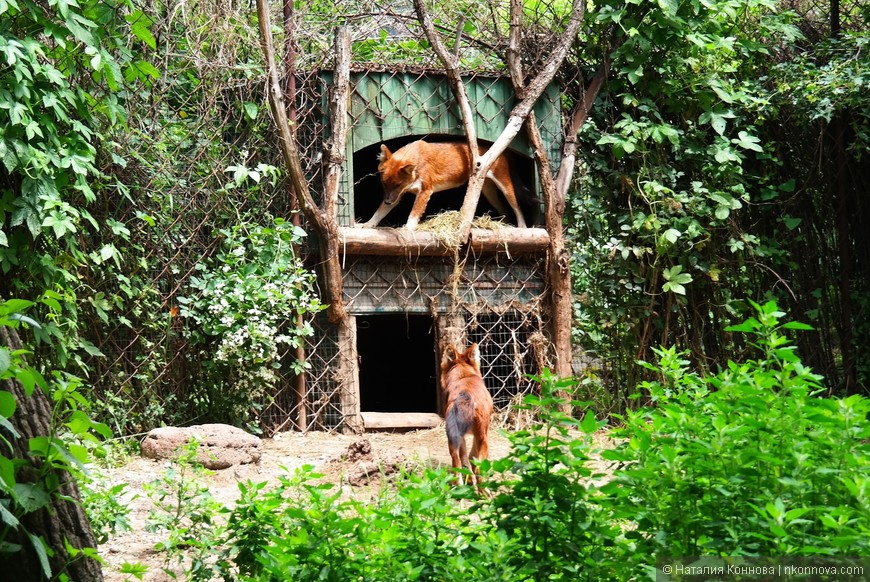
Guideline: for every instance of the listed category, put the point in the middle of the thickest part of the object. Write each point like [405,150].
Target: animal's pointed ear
[473,354]
[408,170]
[385,154]
[449,355]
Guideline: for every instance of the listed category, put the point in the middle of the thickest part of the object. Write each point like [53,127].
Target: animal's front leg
[419,208]
[377,217]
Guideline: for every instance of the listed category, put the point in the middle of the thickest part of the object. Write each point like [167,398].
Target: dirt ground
[282,454]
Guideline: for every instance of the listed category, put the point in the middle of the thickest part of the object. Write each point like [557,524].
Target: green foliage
[64,66]
[547,519]
[751,461]
[32,483]
[248,303]
[672,152]
[107,513]
[308,530]
[819,96]
[547,501]
[184,508]
[831,81]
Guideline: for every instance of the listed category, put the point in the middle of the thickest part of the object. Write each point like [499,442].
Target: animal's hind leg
[491,192]
[492,187]
[459,459]
[479,451]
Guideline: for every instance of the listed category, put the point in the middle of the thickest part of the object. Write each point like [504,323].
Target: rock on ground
[364,467]
[220,445]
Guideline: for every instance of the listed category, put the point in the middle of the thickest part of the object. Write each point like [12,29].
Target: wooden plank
[383,420]
[401,242]
[515,241]
[391,242]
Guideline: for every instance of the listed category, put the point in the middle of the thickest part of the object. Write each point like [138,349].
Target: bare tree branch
[558,265]
[338,98]
[451,69]
[289,151]
[324,223]
[517,116]
[581,114]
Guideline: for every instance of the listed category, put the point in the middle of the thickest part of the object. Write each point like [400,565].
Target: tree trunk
[64,520]
[521,110]
[323,224]
[558,263]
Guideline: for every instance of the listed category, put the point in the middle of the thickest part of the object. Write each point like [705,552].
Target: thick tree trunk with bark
[64,521]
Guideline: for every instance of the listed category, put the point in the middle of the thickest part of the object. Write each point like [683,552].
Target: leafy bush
[107,513]
[185,509]
[751,461]
[547,519]
[548,502]
[239,305]
[313,531]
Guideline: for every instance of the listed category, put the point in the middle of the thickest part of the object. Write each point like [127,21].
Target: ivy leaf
[791,222]
[669,7]
[31,496]
[8,517]
[7,400]
[748,142]
[797,325]
[15,305]
[41,551]
[725,154]
[147,68]
[140,25]
[675,280]
[589,424]
[251,110]
[717,119]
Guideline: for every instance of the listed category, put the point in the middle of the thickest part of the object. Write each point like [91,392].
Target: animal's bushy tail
[459,419]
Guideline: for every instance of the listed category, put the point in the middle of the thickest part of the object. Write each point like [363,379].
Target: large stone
[220,445]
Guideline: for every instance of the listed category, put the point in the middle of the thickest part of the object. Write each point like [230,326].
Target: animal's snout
[391,196]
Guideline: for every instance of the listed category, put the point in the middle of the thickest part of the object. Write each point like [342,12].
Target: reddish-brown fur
[424,168]
[469,406]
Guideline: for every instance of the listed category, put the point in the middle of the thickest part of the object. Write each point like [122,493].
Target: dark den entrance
[396,363]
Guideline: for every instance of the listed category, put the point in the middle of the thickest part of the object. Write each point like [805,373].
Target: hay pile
[445,226]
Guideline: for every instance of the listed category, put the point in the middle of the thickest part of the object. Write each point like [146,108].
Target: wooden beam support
[416,243]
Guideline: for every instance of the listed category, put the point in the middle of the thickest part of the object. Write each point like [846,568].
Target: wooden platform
[404,420]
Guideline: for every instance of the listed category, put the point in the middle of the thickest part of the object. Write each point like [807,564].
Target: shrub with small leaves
[186,511]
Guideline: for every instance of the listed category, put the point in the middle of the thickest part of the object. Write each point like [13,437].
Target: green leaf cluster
[676,158]
[246,307]
[753,461]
